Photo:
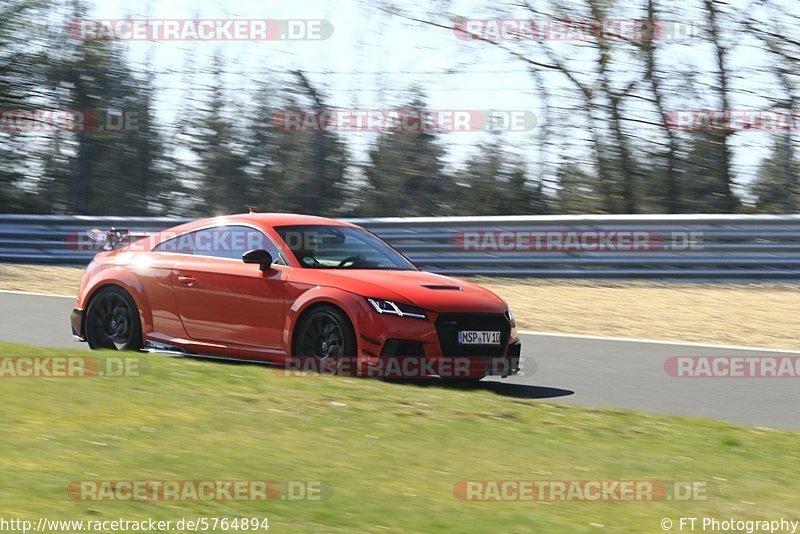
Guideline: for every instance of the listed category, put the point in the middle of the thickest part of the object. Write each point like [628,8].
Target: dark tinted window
[341,247]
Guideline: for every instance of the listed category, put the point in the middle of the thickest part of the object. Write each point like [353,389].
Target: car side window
[183,244]
[222,242]
[232,242]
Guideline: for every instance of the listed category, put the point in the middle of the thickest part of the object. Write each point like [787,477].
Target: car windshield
[341,247]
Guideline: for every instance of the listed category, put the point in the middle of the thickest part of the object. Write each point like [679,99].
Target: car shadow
[518,391]
[522,391]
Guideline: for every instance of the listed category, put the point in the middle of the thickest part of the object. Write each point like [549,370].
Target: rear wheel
[326,335]
[112,321]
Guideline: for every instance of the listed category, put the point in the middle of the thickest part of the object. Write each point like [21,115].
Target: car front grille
[402,348]
[449,324]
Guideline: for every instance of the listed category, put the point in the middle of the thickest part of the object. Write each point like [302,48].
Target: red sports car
[298,291]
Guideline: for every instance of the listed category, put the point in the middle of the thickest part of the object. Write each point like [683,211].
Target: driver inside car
[307,254]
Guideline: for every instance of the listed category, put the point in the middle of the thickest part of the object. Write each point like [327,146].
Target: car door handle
[187,280]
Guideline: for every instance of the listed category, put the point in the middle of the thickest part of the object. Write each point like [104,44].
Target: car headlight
[401,310]
[510,316]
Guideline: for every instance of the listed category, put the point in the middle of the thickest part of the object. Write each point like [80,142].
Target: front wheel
[326,336]
[112,321]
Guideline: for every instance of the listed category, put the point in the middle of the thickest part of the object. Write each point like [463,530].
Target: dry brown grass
[757,314]
[762,315]
[40,278]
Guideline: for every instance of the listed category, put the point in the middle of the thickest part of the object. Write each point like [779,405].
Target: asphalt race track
[592,372]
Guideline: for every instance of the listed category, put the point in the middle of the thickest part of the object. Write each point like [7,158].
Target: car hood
[426,290]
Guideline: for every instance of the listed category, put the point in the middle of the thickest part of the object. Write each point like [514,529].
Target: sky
[372,60]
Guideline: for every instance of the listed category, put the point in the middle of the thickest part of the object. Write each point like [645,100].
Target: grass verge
[392,453]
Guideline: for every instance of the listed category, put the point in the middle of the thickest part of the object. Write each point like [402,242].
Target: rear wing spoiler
[115,238]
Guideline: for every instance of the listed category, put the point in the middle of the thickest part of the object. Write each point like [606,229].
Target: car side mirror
[258,256]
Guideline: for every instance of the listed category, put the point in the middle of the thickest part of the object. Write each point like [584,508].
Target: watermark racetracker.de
[404,120]
[57,367]
[733,366]
[198,490]
[199,242]
[581,30]
[582,490]
[743,120]
[406,367]
[20,121]
[624,240]
[200,29]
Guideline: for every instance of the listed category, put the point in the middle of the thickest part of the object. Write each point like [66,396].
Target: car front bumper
[407,348]
[76,321]
[513,357]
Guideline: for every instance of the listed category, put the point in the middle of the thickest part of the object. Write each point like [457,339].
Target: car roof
[283,219]
[261,220]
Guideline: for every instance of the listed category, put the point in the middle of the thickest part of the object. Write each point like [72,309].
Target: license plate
[478,337]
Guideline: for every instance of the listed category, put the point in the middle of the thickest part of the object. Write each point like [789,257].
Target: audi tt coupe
[293,290]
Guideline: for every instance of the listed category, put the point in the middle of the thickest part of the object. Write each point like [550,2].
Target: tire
[325,334]
[112,321]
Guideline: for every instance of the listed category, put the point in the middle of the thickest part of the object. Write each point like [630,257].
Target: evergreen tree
[770,188]
[225,185]
[495,186]
[23,63]
[302,170]
[705,188]
[405,175]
